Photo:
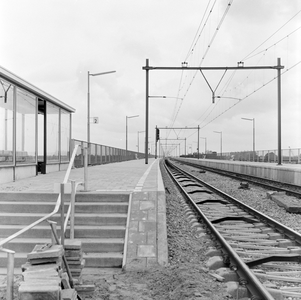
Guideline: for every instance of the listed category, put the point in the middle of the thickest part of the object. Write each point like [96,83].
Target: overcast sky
[54,43]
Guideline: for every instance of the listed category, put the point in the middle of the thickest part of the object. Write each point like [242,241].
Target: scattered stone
[244,185]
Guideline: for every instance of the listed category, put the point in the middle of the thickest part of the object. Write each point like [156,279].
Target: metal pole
[72,209]
[279,111]
[85,169]
[146,113]
[53,240]
[253,139]
[126,136]
[138,143]
[88,113]
[156,143]
[10,274]
[198,141]
[185,146]
[221,144]
[62,215]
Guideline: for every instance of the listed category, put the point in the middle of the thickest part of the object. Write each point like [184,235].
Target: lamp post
[253,120]
[221,133]
[88,102]
[138,138]
[205,143]
[126,132]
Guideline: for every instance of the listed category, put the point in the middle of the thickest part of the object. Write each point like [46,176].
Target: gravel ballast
[186,276]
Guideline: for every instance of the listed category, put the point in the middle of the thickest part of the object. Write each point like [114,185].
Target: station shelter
[36,129]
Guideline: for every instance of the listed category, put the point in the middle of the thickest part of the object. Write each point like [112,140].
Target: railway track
[290,189]
[264,254]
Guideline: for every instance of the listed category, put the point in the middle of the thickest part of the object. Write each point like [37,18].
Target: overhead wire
[206,52]
[256,90]
[248,56]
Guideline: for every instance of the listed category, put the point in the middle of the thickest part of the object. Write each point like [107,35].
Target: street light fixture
[126,132]
[221,133]
[253,120]
[88,102]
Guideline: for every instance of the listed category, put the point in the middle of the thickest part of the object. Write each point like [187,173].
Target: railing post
[10,274]
[62,215]
[53,240]
[85,169]
[72,209]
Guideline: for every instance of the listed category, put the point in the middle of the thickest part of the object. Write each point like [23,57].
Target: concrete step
[80,231]
[80,219]
[52,197]
[47,207]
[100,224]
[104,260]
[102,245]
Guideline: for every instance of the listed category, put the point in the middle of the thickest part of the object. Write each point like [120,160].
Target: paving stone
[146,251]
[72,244]
[45,251]
[28,266]
[147,226]
[39,292]
[137,238]
[69,294]
[146,205]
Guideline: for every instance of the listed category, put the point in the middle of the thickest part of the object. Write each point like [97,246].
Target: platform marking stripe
[140,183]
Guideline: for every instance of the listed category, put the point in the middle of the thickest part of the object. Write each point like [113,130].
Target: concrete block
[46,260]
[69,294]
[38,274]
[291,204]
[29,267]
[35,291]
[46,251]
[72,244]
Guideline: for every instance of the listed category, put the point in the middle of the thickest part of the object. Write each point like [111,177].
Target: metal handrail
[56,208]
[10,253]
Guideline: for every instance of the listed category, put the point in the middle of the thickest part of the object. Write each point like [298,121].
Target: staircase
[100,223]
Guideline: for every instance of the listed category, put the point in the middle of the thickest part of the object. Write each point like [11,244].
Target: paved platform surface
[146,235]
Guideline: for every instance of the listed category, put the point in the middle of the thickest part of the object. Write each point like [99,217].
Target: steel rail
[253,284]
[290,233]
[239,176]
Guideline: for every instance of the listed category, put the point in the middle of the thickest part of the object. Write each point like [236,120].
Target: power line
[248,56]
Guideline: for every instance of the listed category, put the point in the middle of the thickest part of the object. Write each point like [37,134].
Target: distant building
[35,130]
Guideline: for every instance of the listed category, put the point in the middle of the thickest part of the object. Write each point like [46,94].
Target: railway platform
[146,237]
[284,173]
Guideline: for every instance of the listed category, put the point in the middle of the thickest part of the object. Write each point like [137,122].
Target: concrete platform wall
[283,173]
